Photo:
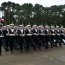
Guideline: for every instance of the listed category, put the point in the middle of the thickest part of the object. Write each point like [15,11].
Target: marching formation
[29,37]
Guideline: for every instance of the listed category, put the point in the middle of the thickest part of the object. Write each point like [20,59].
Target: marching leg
[11,44]
[0,47]
[6,44]
[0,50]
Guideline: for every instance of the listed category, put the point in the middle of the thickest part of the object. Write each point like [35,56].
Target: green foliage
[37,14]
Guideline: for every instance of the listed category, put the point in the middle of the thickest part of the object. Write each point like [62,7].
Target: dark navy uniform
[6,39]
[41,37]
[47,38]
[28,40]
[58,37]
[19,39]
[53,38]
[11,40]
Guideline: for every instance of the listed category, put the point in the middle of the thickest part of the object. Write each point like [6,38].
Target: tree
[26,10]
[37,14]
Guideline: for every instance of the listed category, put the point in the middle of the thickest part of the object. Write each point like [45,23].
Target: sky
[45,3]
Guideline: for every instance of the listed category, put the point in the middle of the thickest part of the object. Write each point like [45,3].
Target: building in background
[1,14]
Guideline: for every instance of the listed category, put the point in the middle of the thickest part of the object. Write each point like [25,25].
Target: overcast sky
[45,3]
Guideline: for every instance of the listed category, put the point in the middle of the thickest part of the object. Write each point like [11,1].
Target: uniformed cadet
[19,37]
[53,37]
[41,35]
[35,36]
[27,37]
[62,34]
[6,39]
[11,37]
[47,37]
[58,36]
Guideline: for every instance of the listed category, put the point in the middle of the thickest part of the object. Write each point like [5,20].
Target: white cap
[34,25]
[28,25]
[12,24]
[57,26]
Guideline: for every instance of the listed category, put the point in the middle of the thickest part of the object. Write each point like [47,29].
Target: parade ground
[51,56]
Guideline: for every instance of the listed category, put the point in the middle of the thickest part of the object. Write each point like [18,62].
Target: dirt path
[51,56]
